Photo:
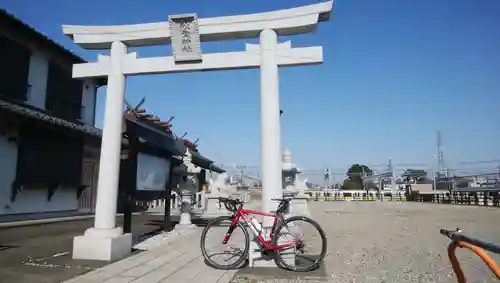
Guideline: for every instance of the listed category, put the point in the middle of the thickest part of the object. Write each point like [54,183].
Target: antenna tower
[441,168]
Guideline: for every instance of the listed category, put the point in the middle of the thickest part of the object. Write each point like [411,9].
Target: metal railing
[471,196]
[357,196]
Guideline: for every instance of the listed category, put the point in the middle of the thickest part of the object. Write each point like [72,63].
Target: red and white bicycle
[286,236]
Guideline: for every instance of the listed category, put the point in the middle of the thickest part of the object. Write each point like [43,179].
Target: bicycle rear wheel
[305,232]
[230,257]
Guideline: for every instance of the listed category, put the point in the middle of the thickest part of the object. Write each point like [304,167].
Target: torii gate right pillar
[270,132]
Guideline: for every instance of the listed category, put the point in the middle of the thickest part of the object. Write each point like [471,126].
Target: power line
[480,162]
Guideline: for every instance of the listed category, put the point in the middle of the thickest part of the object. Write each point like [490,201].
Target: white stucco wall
[88,102]
[28,201]
[37,78]
[38,75]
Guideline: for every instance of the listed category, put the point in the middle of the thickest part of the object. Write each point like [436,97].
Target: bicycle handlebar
[234,204]
[231,204]
[282,199]
[458,236]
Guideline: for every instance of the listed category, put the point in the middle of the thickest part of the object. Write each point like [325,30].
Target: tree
[418,176]
[356,173]
[371,185]
[350,185]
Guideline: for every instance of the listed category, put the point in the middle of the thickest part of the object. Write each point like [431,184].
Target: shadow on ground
[262,274]
[42,253]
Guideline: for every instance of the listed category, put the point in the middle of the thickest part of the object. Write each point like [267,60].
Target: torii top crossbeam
[284,22]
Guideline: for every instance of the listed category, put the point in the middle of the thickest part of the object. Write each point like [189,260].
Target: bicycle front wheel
[310,244]
[222,255]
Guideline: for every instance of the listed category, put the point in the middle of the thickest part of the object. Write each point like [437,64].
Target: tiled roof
[155,124]
[32,113]
[39,37]
[29,112]
[216,169]
[153,137]
[43,40]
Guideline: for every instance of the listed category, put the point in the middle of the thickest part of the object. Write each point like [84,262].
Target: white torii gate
[105,241]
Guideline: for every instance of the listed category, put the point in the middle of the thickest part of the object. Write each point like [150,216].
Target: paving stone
[187,272]
[166,270]
[120,279]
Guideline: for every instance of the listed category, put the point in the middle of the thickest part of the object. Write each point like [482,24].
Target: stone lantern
[187,188]
[289,174]
[293,186]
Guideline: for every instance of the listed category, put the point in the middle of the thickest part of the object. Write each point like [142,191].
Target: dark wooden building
[46,123]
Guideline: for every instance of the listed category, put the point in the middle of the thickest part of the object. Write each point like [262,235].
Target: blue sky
[394,72]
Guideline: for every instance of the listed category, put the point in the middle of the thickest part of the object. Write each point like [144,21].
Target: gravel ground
[396,242]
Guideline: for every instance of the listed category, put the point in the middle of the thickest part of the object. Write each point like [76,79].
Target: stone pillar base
[259,259]
[186,209]
[102,244]
[184,227]
[185,218]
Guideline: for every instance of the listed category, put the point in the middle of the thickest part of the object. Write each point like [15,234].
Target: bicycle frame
[455,264]
[245,215]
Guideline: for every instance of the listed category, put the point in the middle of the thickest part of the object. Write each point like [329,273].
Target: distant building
[484,181]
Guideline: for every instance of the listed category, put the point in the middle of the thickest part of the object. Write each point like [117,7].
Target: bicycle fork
[230,230]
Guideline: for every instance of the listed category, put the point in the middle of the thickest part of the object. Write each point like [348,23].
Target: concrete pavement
[178,261]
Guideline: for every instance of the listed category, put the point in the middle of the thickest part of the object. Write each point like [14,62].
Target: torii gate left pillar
[105,241]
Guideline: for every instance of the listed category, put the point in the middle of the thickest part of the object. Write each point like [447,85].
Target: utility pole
[327,177]
[393,176]
[498,175]
[363,178]
[434,179]
[332,180]
[242,168]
